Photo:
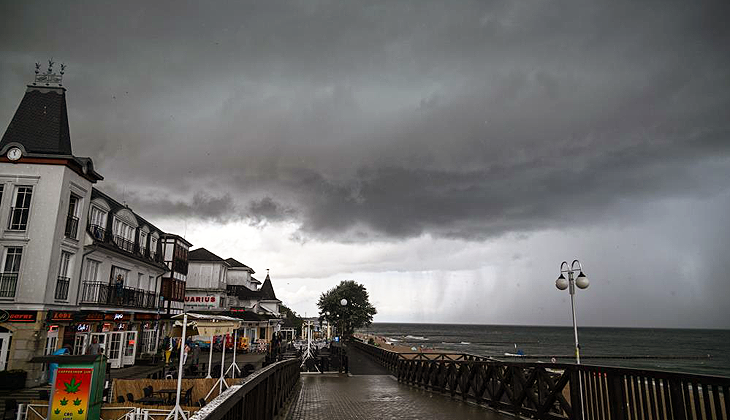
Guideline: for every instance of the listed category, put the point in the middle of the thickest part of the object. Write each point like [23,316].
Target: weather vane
[49,77]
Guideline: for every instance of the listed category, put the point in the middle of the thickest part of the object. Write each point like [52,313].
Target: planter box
[12,380]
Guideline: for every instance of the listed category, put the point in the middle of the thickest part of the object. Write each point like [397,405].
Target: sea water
[679,350]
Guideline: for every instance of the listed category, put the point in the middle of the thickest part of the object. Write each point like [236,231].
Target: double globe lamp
[562,283]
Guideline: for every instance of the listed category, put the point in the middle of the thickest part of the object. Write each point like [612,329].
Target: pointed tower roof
[40,125]
[267,290]
[41,122]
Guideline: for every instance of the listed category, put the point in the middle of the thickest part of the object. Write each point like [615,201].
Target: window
[140,281]
[2,188]
[116,273]
[10,269]
[151,287]
[92,271]
[122,229]
[20,212]
[63,280]
[142,240]
[72,220]
[98,217]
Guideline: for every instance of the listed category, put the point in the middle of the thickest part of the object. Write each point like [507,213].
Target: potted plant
[12,379]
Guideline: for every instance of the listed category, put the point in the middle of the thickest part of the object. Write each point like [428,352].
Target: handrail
[547,390]
[260,396]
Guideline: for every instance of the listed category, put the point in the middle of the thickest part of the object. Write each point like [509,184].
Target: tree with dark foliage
[357,313]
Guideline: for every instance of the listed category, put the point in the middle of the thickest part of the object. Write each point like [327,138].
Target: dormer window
[123,234]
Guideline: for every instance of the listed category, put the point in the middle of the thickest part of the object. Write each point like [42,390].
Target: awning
[205,325]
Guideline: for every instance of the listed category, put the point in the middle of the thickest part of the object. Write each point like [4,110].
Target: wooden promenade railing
[261,396]
[562,391]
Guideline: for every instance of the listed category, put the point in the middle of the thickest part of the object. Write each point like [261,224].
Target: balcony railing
[8,283]
[62,288]
[123,243]
[72,226]
[97,232]
[104,294]
[100,234]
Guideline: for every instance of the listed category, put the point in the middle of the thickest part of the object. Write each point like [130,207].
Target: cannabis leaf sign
[57,411]
[77,401]
[64,401]
[81,411]
[72,386]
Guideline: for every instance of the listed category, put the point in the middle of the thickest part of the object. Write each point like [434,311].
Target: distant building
[225,286]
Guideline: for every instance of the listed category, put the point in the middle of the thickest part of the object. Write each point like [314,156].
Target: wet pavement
[370,392]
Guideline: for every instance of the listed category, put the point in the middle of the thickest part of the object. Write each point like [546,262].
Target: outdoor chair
[130,397]
[11,409]
[43,394]
[120,399]
[147,391]
[201,402]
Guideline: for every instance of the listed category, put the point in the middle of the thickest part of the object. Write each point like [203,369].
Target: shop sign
[83,328]
[238,310]
[140,317]
[71,394]
[55,316]
[117,317]
[95,317]
[18,316]
[201,300]
[122,326]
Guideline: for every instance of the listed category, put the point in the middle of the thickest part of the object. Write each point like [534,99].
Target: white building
[74,262]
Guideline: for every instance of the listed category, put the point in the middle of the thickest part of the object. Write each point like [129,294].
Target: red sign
[238,309]
[21,316]
[95,317]
[140,317]
[60,316]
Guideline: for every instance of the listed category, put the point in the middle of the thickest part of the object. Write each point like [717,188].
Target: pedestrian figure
[94,347]
[196,354]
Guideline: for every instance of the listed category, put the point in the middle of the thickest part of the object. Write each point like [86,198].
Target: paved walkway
[369,392]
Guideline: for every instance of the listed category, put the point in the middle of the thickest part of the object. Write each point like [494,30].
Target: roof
[40,128]
[115,206]
[254,280]
[177,237]
[243,292]
[202,254]
[267,290]
[40,123]
[236,264]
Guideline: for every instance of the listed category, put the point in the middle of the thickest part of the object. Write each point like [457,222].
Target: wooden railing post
[675,392]
[617,396]
[575,397]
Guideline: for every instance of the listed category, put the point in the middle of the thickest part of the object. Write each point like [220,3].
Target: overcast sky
[447,155]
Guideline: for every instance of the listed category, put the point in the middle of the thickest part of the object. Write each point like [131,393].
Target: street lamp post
[582,282]
[343,303]
[562,283]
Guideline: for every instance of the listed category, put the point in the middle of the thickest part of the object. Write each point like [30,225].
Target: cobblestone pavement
[334,397]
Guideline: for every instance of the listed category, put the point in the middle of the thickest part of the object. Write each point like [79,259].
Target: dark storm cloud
[390,120]
[268,210]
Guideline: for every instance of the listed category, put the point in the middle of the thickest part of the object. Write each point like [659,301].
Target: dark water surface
[496,340]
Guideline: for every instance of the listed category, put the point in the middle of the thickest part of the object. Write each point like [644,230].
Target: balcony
[98,233]
[173,289]
[123,243]
[72,226]
[62,288]
[8,283]
[103,294]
